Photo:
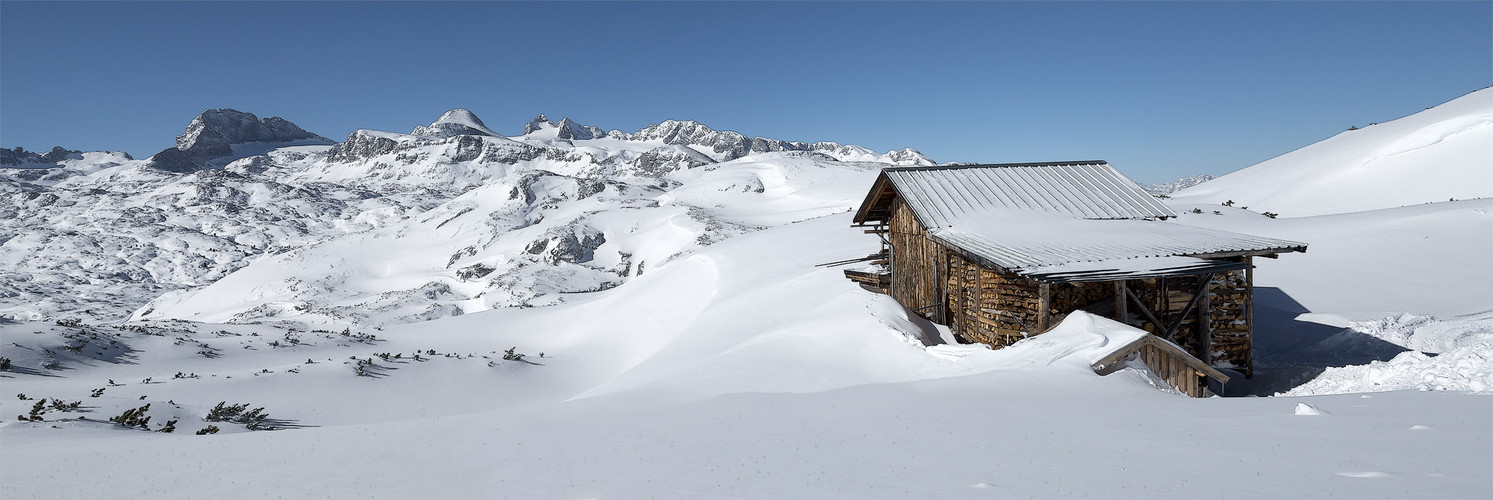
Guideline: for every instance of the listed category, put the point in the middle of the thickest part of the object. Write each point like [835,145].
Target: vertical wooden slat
[1044,304]
[1249,316]
[1205,321]
[1121,314]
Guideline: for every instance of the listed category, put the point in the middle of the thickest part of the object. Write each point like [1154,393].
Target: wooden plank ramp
[1178,368]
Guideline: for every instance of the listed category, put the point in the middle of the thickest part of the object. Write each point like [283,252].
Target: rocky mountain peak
[571,130]
[540,122]
[453,123]
[212,134]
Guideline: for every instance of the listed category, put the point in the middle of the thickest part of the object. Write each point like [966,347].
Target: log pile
[1230,319]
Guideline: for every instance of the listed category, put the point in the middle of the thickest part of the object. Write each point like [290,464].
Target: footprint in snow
[1306,409]
[1372,473]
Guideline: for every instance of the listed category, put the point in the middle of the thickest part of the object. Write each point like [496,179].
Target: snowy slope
[741,370]
[1442,153]
[449,219]
[677,339]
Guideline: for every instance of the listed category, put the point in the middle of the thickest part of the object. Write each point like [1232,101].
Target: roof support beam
[1145,311]
[1044,301]
[1171,332]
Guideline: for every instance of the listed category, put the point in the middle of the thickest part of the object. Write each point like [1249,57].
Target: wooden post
[1249,316]
[1163,304]
[1120,299]
[1205,321]
[1044,302]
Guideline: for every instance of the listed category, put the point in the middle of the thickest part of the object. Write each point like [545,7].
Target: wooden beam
[1044,301]
[1249,316]
[1172,330]
[1121,314]
[1109,364]
[1143,309]
[1205,322]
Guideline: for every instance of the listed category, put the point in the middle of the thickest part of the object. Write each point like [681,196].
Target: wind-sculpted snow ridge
[1440,154]
[1451,354]
[386,227]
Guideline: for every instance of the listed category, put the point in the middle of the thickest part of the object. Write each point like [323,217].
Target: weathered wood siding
[916,263]
[990,307]
[1175,371]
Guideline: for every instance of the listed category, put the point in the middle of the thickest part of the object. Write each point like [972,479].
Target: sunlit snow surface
[719,361]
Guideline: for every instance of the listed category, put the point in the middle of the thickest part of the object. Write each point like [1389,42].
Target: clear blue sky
[1162,90]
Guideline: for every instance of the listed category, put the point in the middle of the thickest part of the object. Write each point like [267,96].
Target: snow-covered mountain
[722,349]
[1171,187]
[1442,153]
[240,220]
[218,135]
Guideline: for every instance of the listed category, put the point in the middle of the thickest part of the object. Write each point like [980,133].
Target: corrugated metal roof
[1056,248]
[1083,189]
[1064,221]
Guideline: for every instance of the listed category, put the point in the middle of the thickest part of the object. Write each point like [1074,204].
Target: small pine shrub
[4,364]
[1271,214]
[509,355]
[224,412]
[210,429]
[169,427]
[134,417]
[1229,203]
[59,405]
[97,392]
[36,411]
[1197,210]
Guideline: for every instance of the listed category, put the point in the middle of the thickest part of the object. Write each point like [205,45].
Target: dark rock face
[570,130]
[20,156]
[212,133]
[361,145]
[538,123]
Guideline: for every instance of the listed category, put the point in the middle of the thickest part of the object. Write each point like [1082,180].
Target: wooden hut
[1002,252]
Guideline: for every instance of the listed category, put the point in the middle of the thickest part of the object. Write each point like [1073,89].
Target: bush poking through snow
[134,417]
[509,355]
[210,429]
[97,392]
[252,419]
[36,411]
[4,364]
